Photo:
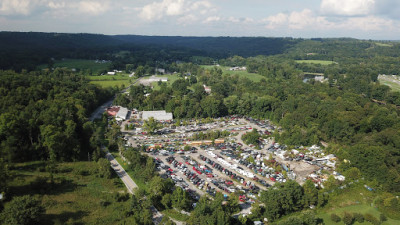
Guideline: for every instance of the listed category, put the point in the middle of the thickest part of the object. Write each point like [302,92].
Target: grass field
[112,80]
[322,62]
[394,86]
[383,44]
[77,195]
[80,64]
[225,69]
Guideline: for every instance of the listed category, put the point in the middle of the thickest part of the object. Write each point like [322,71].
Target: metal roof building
[158,115]
[122,114]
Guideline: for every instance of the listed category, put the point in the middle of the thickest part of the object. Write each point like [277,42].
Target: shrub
[382,217]
[370,218]
[335,218]
[348,218]
[358,217]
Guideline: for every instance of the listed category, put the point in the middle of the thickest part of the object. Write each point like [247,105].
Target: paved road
[129,183]
[101,109]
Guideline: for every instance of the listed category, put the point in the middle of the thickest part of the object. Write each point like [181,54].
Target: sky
[363,19]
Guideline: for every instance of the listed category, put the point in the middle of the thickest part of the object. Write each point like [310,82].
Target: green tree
[151,125]
[335,218]
[310,193]
[180,199]
[22,210]
[352,174]
[104,169]
[140,71]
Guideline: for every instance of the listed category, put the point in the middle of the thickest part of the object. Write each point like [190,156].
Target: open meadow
[322,62]
[355,199]
[112,80]
[77,194]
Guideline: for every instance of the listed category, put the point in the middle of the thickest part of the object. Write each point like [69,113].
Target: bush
[348,218]
[382,217]
[22,210]
[358,217]
[370,218]
[335,218]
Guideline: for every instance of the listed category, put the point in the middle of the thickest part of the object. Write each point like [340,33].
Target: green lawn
[225,69]
[112,80]
[394,86]
[77,196]
[111,83]
[80,64]
[322,62]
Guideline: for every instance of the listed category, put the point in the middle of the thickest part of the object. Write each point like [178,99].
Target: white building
[158,115]
[111,73]
[156,79]
[122,114]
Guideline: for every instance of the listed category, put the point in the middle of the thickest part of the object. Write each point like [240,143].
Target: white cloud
[347,7]
[56,5]
[297,20]
[308,20]
[21,7]
[93,7]
[369,23]
[212,19]
[276,20]
[159,10]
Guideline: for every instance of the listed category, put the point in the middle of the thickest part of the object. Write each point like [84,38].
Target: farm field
[322,62]
[80,64]
[225,69]
[77,195]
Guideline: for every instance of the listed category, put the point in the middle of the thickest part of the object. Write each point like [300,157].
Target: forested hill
[222,46]
[25,50]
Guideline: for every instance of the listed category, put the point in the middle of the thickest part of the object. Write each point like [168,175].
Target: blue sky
[364,19]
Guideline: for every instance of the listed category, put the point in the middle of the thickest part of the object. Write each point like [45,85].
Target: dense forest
[44,115]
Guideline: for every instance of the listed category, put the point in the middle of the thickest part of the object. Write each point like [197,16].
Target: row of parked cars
[170,173]
[250,185]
